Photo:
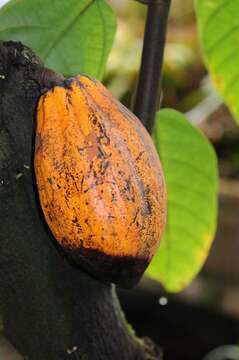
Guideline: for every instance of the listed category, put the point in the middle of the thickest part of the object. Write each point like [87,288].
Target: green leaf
[219,35]
[73,36]
[190,168]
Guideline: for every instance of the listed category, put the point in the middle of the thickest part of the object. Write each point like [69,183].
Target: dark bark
[49,305]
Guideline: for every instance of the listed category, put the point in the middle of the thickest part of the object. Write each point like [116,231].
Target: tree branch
[149,83]
[51,309]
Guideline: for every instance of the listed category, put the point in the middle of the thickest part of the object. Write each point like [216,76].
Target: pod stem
[147,98]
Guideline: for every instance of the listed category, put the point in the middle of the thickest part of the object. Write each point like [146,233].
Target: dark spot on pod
[124,271]
[113,197]
[94,118]
[148,207]
[139,156]
[50,217]
[68,96]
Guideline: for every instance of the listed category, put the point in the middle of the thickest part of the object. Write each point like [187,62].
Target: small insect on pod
[100,181]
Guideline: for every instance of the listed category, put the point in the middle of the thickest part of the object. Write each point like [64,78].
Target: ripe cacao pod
[99,179]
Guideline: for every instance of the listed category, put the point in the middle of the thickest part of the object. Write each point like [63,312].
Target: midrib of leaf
[66,29]
[23,27]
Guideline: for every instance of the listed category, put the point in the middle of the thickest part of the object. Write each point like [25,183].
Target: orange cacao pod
[99,180]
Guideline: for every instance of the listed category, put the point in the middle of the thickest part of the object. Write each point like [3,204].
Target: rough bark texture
[49,306]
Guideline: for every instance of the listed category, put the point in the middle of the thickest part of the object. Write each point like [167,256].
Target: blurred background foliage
[186,84]
[183,68]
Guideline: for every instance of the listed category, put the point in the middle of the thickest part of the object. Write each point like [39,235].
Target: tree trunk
[51,309]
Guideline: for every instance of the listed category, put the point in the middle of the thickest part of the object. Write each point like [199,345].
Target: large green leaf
[219,33]
[70,36]
[190,168]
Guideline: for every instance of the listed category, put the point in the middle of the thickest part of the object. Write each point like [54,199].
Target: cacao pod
[99,179]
